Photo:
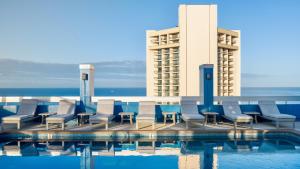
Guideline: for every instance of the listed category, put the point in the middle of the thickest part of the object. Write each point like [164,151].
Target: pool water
[275,152]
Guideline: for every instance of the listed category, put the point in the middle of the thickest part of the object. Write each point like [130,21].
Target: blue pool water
[271,152]
[245,91]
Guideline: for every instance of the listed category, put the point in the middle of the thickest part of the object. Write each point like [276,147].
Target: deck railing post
[86,83]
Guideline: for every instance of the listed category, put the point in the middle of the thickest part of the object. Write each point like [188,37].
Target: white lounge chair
[18,148]
[104,112]
[190,113]
[25,113]
[146,113]
[232,112]
[65,113]
[270,111]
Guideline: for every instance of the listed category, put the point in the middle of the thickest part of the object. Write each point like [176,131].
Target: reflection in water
[192,154]
[86,160]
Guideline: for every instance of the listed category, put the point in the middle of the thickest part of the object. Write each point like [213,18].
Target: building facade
[175,54]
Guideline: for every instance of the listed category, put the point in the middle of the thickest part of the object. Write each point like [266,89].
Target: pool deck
[161,129]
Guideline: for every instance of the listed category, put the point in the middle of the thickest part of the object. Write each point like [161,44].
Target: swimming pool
[271,151]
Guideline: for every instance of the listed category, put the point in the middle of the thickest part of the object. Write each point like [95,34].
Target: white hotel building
[175,54]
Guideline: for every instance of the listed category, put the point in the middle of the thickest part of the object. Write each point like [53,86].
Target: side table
[172,114]
[127,116]
[207,114]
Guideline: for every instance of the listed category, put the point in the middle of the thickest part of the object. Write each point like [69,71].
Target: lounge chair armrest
[48,113]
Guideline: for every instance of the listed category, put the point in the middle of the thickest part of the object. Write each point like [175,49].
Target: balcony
[175,94]
[154,41]
[159,77]
[166,83]
[175,50]
[158,59]
[175,70]
[233,41]
[166,64]
[166,76]
[157,83]
[175,76]
[157,90]
[157,52]
[167,70]
[175,63]
[175,90]
[157,71]
[174,38]
[175,58]
[166,59]
[157,65]
[175,83]
[163,37]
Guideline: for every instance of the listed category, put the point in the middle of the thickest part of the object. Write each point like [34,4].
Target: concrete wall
[198,44]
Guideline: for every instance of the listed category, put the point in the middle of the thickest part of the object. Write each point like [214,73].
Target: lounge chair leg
[18,125]
[47,126]
[63,126]
[294,125]
[235,125]
[106,126]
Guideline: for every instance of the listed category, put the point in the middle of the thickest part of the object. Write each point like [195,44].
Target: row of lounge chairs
[146,113]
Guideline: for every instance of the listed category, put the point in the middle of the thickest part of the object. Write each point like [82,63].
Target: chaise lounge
[270,111]
[25,113]
[190,113]
[65,113]
[104,113]
[146,113]
[232,112]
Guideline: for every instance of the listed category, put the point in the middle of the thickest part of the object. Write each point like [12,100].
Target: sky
[94,31]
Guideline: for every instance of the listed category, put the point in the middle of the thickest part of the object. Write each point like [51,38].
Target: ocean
[245,91]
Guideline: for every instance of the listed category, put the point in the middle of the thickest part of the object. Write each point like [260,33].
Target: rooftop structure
[175,54]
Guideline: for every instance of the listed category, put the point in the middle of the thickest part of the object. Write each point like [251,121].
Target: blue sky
[73,31]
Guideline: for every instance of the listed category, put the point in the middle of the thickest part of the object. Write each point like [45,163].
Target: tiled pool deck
[161,129]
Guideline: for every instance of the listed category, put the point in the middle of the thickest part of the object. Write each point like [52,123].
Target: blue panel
[207,85]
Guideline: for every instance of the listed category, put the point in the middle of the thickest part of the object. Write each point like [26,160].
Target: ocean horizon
[245,91]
